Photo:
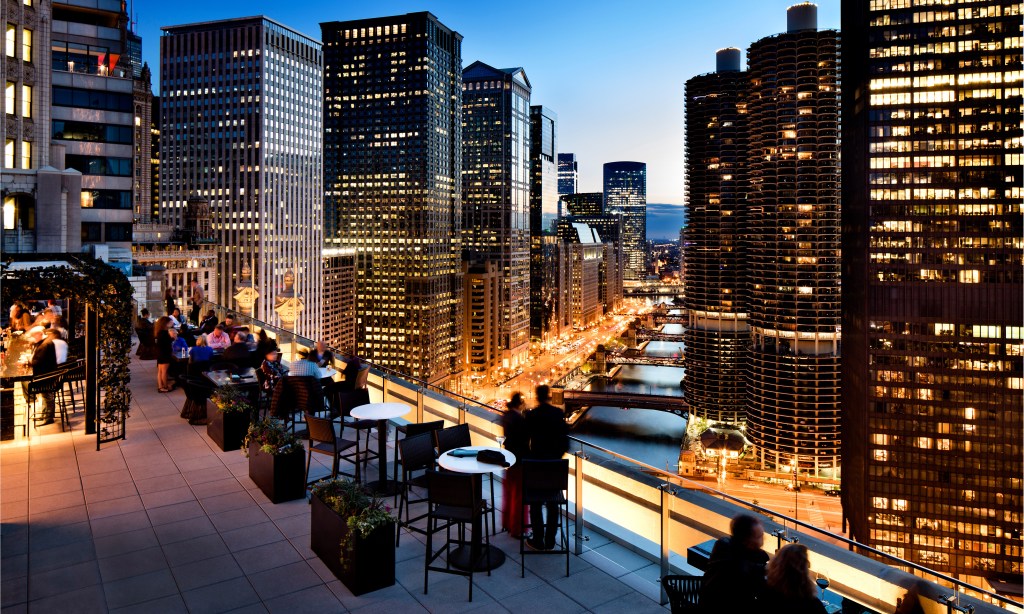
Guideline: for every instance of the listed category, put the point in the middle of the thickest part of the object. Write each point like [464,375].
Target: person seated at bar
[218,339]
[304,366]
[238,352]
[352,366]
[144,319]
[55,307]
[176,318]
[264,343]
[229,322]
[272,368]
[59,345]
[790,589]
[322,356]
[200,356]
[21,319]
[734,581]
[208,323]
[178,345]
[43,361]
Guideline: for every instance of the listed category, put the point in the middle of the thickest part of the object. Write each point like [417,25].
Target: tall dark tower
[715,238]
[625,194]
[543,213]
[793,389]
[392,181]
[933,294]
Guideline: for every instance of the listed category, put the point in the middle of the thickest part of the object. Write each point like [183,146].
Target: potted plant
[230,422]
[276,462]
[353,533]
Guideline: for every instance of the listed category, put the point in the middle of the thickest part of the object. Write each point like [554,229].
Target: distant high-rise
[586,203]
[715,241]
[625,194]
[241,127]
[393,184]
[496,193]
[543,210]
[933,294]
[568,174]
[793,206]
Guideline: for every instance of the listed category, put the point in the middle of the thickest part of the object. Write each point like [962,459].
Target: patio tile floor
[163,521]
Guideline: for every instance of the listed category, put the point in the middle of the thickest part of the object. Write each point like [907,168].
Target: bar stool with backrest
[325,437]
[344,402]
[417,454]
[458,436]
[416,428]
[683,592]
[198,391]
[294,397]
[49,383]
[546,482]
[453,500]
[74,375]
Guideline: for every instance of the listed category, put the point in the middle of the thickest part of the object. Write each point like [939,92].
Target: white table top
[471,464]
[380,411]
[326,372]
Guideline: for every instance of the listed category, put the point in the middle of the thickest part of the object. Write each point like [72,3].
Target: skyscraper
[793,161]
[568,174]
[496,193]
[585,203]
[393,182]
[241,126]
[932,284]
[543,209]
[715,241]
[625,194]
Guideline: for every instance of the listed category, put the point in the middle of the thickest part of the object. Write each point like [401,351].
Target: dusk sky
[613,71]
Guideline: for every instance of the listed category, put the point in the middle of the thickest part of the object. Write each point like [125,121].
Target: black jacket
[734,580]
[774,602]
[44,358]
[549,434]
[517,438]
[208,324]
[237,353]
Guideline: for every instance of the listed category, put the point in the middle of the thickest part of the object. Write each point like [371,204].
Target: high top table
[381,412]
[463,558]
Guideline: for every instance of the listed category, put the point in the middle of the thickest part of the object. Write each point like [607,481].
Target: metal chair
[458,436]
[74,375]
[198,391]
[49,384]
[325,437]
[545,484]
[453,500]
[295,396]
[412,429]
[417,454]
[343,402]
[683,592]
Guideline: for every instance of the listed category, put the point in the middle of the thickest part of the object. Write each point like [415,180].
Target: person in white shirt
[55,307]
[59,345]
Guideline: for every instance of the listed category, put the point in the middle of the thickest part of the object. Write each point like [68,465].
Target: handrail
[671,477]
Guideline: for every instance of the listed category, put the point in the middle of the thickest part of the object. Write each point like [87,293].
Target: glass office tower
[625,194]
[715,241]
[793,206]
[932,284]
[393,183]
[543,212]
[568,174]
[241,126]
[496,193]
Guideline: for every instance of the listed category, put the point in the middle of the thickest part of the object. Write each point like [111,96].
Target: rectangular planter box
[281,478]
[228,429]
[373,558]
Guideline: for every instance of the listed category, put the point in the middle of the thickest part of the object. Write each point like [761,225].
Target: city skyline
[677,36]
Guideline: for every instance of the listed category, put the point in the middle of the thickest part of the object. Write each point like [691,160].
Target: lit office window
[26,101]
[11,34]
[9,153]
[26,155]
[26,45]
[9,98]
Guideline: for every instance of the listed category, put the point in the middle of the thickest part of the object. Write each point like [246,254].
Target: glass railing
[673,520]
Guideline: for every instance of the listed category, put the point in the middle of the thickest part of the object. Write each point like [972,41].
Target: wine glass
[501,441]
[823,583]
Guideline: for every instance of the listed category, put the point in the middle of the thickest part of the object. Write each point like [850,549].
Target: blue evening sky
[612,70]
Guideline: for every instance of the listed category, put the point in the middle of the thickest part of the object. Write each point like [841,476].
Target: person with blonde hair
[790,589]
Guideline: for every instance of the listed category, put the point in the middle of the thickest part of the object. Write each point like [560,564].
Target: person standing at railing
[790,589]
[198,297]
[734,580]
[170,297]
[549,440]
[517,441]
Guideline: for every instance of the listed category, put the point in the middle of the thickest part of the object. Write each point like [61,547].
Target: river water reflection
[647,435]
[645,379]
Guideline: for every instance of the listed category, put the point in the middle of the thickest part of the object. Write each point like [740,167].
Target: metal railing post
[419,404]
[384,387]
[462,413]
[578,521]
[666,522]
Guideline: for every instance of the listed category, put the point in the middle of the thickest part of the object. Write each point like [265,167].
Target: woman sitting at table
[199,357]
[790,587]
[164,354]
[272,369]
[218,339]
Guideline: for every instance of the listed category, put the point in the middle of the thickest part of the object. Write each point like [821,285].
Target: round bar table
[381,412]
[463,557]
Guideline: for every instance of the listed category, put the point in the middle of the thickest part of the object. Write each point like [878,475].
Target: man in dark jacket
[549,440]
[735,577]
[238,352]
[44,360]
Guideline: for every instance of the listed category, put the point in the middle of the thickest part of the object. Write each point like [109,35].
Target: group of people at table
[227,342]
[47,333]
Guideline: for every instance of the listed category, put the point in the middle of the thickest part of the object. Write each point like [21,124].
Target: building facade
[568,174]
[482,313]
[241,126]
[932,284]
[339,325]
[585,203]
[625,194]
[496,193]
[393,185]
[543,210]
[585,261]
[715,242]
